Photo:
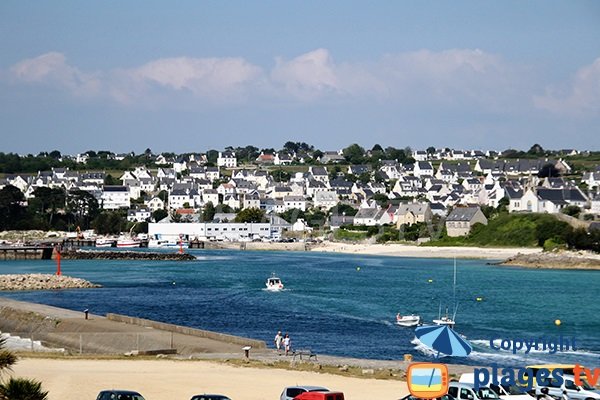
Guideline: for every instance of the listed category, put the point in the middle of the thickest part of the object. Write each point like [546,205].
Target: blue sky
[193,75]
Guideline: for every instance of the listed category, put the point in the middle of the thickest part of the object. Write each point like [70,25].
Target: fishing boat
[408,320]
[128,242]
[274,284]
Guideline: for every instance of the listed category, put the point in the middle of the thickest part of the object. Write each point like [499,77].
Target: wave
[19,343]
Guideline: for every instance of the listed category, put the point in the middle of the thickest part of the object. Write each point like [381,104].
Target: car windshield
[514,389]
[129,397]
[486,393]
[586,385]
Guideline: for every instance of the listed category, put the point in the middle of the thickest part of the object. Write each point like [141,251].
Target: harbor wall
[257,344]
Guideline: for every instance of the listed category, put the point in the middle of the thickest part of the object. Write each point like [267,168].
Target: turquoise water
[333,307]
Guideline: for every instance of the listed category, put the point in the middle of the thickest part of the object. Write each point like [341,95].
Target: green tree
[292,215]
[160,214]
[17,388]
[83,206]
[250,215]
[430,150]
[573,211]
[548,171]
[11,207]
[110,180]
[343,209]
[208,214]
[354,154]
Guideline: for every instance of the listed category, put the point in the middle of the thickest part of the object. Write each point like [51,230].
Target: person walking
[278,341]
[287,343]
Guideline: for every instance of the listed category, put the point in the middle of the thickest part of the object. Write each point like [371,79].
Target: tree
[354,154]
[83,206]
[209,212]
[430,150]
[250,215]
[377,148]
[573,211]
[11,208]
[211,156]
[292,215]
[343,209]
[17,388]
[110,180]
[160,214]
[536,150]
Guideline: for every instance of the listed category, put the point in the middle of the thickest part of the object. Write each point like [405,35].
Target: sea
[345,304]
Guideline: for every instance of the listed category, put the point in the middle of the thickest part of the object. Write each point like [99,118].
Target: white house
[138,215]
[298,202]
[115,197]
[155,203]
[227,159]
[326,199]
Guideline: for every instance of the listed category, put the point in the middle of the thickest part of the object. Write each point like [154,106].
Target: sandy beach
[76,379]
[401,250]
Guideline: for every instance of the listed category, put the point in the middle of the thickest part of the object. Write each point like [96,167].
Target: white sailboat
[445,319]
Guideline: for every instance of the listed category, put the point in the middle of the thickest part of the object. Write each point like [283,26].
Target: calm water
[335,308]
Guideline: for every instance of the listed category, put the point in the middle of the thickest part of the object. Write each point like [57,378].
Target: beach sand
[401,250]
[76,379]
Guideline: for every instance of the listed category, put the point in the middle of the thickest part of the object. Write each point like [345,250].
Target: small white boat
[408,320]
[128,242]
[164,243]
[105,242]
[274,284]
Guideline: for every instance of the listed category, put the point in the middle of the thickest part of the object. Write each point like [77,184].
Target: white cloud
[308,75]
[52,69]
[581,98]
[452,77]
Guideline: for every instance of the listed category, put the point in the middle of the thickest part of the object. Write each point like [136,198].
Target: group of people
[283,342]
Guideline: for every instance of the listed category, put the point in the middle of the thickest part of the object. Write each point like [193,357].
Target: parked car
[574,391]
[290,392]
[210,397]
[505,392]
[320,396]
[119,395]
[466,391]
[444,397]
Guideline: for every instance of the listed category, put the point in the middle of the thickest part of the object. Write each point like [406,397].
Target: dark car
[210,397]
[119,395]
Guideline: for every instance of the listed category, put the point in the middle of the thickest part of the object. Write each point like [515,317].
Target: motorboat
[166,243]
[128,242]
[408,320]
[446,319]
[274,284]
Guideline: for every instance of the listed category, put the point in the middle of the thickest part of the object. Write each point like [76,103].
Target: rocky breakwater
[124,255]
[42,282]
[556,260]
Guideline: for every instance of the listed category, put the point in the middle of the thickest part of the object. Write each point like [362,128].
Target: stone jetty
[42,282]
[556,260]
[124,255]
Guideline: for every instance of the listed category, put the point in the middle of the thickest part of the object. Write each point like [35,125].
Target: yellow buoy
[358,268]
[557,322]
[430,280]
[479,299]
[173,282]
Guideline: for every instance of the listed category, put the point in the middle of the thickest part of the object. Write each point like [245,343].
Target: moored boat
[128,242]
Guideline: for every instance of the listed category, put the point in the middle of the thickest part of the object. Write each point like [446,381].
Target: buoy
[358,268]
[557,322]
[430,280]
[173,282]
[479,299]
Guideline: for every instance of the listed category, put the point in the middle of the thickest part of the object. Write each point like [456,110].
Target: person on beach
[278,341]
[545,395]
[287,343]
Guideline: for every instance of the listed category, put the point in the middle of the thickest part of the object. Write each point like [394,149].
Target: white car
[292,391]
[505,392]
[574,391]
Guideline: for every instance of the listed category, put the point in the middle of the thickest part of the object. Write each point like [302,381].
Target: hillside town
[299,189]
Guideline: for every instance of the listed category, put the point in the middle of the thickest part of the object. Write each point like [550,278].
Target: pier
[41,252]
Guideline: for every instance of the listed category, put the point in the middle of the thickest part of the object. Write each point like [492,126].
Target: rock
[368,371]
[42,282]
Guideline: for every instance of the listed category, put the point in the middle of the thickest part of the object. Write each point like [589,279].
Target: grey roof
[366,213]
[115,188]
[463,214]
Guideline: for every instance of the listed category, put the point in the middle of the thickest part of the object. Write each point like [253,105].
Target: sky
[188,76]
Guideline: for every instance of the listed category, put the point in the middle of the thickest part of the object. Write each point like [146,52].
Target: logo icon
[427,380]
